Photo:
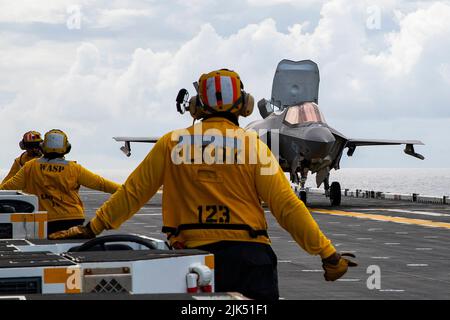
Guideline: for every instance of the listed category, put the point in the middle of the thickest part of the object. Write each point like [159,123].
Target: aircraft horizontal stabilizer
[126,148]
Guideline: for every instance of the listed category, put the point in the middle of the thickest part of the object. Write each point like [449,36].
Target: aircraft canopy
[306,112]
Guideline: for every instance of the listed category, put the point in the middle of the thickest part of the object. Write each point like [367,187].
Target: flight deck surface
[409,243]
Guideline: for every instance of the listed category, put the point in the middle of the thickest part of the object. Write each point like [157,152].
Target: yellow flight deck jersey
[206,201]
[57,182]
[18,163]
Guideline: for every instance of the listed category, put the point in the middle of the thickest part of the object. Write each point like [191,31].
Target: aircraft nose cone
[319,134]
[319,141]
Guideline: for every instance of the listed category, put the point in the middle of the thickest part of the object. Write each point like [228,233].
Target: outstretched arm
[291,213]
[17,182]
[96,182]
[293,216]
[14,169]
[140,186]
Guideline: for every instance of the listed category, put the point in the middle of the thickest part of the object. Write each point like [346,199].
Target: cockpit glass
[307,112]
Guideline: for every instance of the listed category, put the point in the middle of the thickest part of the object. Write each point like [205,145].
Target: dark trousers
[245,267]
[58,225]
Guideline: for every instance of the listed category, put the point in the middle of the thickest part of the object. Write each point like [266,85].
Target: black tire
[335,194]
[303,196]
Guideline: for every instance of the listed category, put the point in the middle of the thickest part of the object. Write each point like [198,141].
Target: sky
[98,69]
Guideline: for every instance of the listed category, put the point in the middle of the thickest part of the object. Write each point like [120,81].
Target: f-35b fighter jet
[306,142]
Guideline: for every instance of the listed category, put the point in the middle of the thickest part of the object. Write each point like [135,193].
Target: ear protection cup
[22,145]
[248,105]
[195,108]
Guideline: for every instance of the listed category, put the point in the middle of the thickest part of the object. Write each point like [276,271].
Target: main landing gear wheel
[302,196]
[335,194]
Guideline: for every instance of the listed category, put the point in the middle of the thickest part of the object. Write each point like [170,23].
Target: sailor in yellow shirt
[214,175]
[31,143]
[56,182]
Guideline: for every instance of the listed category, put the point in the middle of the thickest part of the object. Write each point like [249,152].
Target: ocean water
[434,182]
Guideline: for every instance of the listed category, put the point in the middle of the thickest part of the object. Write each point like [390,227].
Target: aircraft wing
[409,149]
[126,148]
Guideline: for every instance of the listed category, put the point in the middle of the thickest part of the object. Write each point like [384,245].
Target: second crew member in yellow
[56,182]
[214,175]
[31,143]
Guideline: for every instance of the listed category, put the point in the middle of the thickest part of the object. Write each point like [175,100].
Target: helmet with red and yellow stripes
[30,140]
[221,91]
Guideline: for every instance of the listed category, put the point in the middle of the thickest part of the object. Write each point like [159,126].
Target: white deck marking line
[317,270]
[363,238]
[392,290]
[284,261]
[374,229]
[380,257]
[417,265]
[402,232]
[392,243]
[425,213]
[424,249]
[138,222]
[349,280]
[150,226]
[383,218]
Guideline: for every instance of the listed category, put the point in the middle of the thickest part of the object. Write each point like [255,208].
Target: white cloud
[87,59]
[417,31]
[259,3]
[121,18]
[25,11]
